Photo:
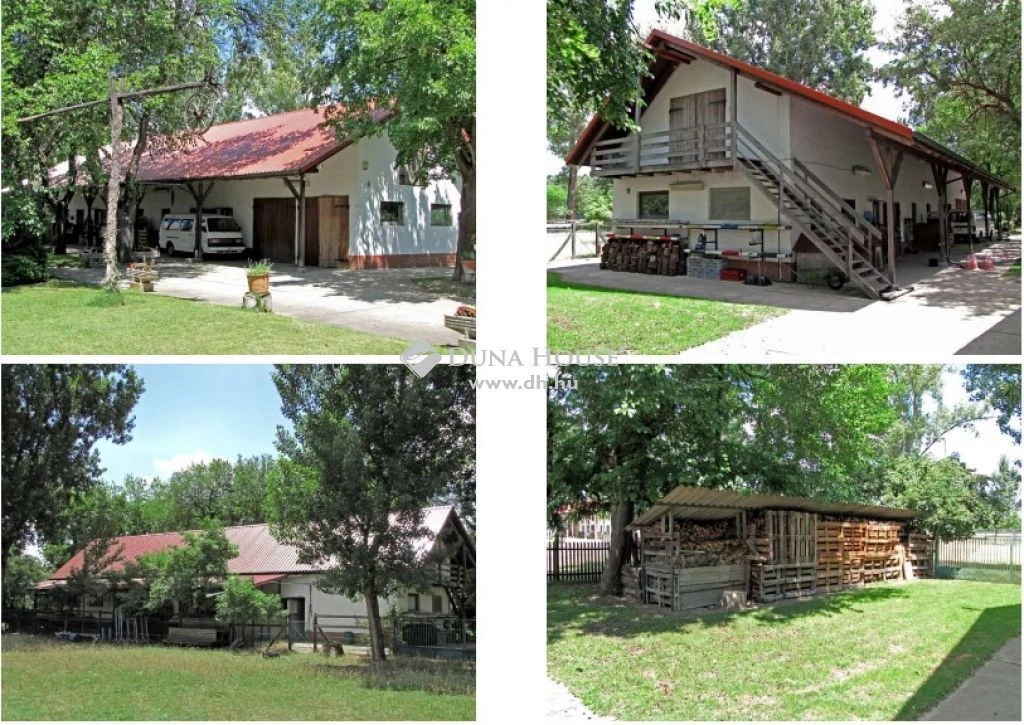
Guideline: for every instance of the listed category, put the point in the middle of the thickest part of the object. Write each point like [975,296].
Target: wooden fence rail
[576,561]
[984,550]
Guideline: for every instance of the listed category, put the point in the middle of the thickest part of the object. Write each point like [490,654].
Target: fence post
[314,633]
[557,555]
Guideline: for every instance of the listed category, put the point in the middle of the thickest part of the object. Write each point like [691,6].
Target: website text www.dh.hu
[421,357]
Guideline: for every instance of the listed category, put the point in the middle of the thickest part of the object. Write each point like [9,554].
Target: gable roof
[670,50]
[283,144]
[259,553]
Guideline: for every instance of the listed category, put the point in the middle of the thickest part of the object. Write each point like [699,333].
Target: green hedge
[1009,575]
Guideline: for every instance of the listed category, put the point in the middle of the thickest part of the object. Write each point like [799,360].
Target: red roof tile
[258,551]
[285,143]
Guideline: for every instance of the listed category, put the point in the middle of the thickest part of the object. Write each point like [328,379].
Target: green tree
[943,491]
[370,447]
[999,386]
[53,417]
[241,602]
[820,43]
[959,64]
[21,574]
[418,58]
[187,574]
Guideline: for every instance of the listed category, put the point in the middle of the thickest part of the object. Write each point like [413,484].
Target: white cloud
[164,467]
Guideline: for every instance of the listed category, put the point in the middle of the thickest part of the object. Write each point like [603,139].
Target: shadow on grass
[988,633]
[619,617]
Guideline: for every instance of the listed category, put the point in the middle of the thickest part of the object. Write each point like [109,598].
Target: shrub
[22,269]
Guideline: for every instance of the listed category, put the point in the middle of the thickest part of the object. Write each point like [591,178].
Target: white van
[221,235]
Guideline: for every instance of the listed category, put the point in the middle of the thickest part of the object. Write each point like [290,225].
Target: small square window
[440,215]
[652,205]
[391,212]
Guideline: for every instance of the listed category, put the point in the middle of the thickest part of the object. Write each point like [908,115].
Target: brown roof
[258,551]
[688,502]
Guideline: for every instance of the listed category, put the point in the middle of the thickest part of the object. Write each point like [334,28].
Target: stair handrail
[813,178]
[862,241]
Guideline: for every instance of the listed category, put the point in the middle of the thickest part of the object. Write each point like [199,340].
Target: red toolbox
[733,275]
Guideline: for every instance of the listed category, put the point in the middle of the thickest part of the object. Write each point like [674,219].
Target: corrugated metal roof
[258,551]
[687,502]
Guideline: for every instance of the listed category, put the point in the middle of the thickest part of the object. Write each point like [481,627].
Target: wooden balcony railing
[696,147]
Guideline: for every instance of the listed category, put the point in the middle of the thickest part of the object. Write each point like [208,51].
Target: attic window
[413,603]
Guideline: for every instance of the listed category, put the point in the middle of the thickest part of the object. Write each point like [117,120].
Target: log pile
[691,544]
[664,257]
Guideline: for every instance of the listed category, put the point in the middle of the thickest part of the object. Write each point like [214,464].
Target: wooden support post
[300,253]
[314,632]
[733,117]
[967,180]
[984,205]
[889,169]
[941,173]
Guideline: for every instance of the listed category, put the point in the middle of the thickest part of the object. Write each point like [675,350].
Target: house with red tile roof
[275,568]
[300,193]
[756,172]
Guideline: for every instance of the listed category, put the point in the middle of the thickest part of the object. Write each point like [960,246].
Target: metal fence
[984,550]
[576,561]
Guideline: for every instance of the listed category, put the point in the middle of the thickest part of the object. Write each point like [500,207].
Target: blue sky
[194,413]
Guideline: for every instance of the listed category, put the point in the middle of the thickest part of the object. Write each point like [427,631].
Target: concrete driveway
[992,693]
[950,311]
[406,304]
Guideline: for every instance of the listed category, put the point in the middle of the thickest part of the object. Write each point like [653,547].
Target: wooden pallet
[770,582]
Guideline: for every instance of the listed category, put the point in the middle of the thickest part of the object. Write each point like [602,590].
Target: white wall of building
[341,175]
[377,181]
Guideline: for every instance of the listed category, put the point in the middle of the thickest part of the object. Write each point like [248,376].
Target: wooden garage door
[273,229]
[333,230]
[273,224]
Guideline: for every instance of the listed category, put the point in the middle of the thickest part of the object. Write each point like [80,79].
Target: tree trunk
[618,548]
[373,617]
[465,159]
[113,189]
[570,202]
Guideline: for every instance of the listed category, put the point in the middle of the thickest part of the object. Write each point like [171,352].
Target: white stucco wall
[378,182]
[341,175]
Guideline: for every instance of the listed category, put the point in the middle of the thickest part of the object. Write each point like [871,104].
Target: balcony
[685,149]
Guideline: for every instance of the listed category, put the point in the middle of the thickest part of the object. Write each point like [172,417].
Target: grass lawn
[59,317]
[55,681]
[885,652]
[594,319]
[63,260]
[1014,270]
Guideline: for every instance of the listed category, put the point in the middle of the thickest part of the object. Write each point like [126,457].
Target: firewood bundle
[646,257]
[691,544]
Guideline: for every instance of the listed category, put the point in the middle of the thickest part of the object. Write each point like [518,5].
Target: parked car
[961,226]
[221,235]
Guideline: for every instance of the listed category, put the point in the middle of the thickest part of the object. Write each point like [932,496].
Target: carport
[292,227]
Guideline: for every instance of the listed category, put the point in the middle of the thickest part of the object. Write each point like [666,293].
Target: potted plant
[463,322]
[257,273]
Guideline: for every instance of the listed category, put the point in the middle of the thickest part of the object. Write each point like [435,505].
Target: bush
[22,269]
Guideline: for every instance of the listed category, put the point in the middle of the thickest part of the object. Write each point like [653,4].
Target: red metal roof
[259,553]
[658,39]
[285,143]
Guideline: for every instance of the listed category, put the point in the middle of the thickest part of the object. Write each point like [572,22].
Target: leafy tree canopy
[53,417]
[999,386]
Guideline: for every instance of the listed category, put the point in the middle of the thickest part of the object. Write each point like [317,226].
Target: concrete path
[991,693]
[560,704]
[393,303]
[951,310]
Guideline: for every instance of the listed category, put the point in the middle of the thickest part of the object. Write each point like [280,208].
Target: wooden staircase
[453,580]
[848,242]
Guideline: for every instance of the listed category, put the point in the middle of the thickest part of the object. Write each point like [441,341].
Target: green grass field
[589,319]
[52,681]
[885,652]
[58,317]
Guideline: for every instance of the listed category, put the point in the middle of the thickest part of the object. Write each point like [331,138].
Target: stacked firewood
[691,544]
[644,256]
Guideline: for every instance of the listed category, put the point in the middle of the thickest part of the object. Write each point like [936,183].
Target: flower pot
[259,283]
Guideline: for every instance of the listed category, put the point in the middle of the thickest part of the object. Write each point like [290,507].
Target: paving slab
[388,302]
[560,704]
[992,693]
[950,311]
